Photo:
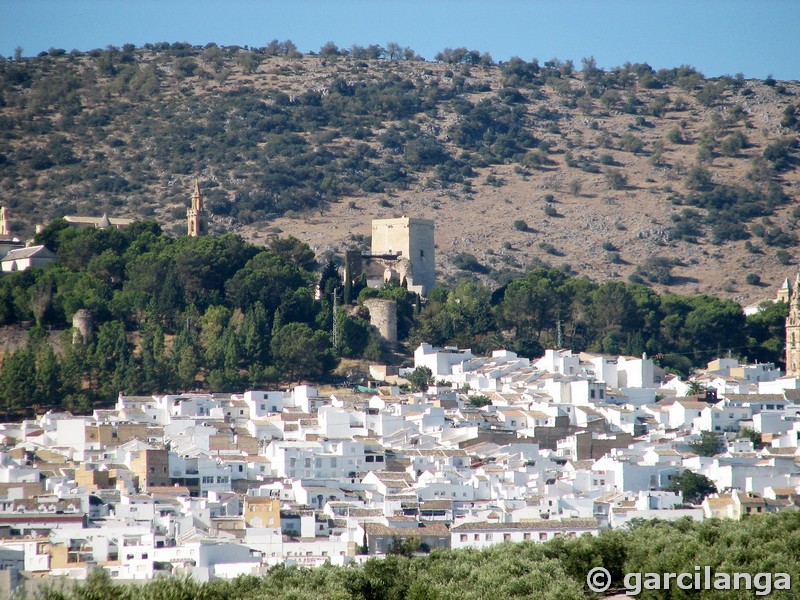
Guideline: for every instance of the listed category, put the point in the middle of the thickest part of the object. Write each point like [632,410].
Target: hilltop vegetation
[521,163]
[219,313]
[554,570]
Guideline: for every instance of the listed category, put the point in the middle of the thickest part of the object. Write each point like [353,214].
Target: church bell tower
[196,215]
[793,331]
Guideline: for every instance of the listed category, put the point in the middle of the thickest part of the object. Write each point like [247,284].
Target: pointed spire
[795,295]
[197,197]
[196,217]
[104,222]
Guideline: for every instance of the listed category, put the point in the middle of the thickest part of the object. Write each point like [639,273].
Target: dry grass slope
[602,224]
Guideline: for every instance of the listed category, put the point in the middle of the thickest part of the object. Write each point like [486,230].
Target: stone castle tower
[412,241]
[793,331]
[196,215]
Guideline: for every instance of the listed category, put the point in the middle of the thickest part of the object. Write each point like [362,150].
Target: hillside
[687,183]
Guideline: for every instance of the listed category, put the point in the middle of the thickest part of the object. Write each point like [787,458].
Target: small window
[542,537]
[463,537]
[526,536]
[506,537]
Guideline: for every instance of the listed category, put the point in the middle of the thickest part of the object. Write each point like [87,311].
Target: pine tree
[48,378]
[18,381]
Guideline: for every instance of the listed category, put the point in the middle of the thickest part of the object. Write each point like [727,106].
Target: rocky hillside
[667,177]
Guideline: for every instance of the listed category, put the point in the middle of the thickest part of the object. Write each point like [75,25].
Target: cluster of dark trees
[612,317]
[219,313]
[170,314]
[554,570]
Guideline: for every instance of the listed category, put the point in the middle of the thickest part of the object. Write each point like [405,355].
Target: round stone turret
[383,316]
[83,325]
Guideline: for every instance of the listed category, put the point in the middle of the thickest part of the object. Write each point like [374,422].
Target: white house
[22,259]
[484,534]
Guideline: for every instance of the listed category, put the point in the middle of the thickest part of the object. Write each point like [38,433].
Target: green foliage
[301,353]
[615,179]
[421,378]
[753,279]
[220,297]
[693,486]
[479,400]
[656,269]
[753,436]
[782,153]
[468,262]
[555,570]
[709,444]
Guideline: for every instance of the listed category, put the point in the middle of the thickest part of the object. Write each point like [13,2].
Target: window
[488,537]
[241,468]
[506,537]
[263,407]
[476,537]
[591,394]
[542,537]
[378,459]
[463,537]
[526,536]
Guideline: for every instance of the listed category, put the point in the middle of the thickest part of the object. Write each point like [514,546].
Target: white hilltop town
[499,449]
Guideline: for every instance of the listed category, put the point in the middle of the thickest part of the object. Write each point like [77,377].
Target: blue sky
[754,37]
